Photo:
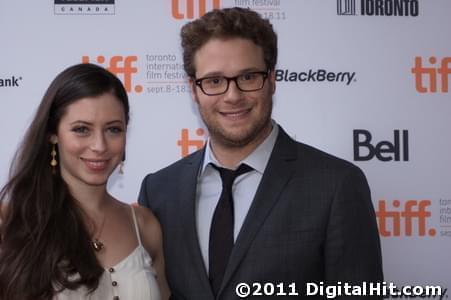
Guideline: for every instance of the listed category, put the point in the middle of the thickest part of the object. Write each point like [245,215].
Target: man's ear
[193,90]
[272,81]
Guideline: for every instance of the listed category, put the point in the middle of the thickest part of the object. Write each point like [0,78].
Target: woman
[63,236]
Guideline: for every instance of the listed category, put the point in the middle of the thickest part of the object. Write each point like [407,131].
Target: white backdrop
[400,70]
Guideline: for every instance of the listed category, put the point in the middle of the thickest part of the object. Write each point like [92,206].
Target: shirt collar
[258,159]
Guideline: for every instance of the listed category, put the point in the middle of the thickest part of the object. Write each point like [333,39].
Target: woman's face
[91,140]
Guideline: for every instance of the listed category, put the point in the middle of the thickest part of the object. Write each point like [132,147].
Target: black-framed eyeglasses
[246,82]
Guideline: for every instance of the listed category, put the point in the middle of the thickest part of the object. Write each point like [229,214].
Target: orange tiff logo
[188,145]
[121,66]
[404,219]
[426,78]
[184,9]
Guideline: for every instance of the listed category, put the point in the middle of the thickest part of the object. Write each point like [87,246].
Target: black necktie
[221,231]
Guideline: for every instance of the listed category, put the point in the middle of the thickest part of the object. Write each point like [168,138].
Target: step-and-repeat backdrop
[366,80]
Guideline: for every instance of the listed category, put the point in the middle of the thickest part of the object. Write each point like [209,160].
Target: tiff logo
[184,9]
[188,145]
[404,219]
[346,7]
[121,66]
[426,78]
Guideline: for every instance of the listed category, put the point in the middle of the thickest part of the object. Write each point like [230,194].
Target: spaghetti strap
[136,225]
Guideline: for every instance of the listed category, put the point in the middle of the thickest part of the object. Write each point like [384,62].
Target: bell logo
[188,5]
[404,219]
[121,66]
[187,144]
[385,150]
[426,78]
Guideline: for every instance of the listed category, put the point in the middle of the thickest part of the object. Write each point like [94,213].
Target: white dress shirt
[209,187]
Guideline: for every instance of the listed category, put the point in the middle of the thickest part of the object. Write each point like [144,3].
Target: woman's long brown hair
[44,243]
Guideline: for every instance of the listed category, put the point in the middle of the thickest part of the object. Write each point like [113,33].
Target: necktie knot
[228,176]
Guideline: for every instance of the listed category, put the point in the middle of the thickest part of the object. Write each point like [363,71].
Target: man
[296,215]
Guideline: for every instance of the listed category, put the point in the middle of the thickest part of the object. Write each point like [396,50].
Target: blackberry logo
[319,75]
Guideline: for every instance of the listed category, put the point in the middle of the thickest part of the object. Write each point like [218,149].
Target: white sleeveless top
[133,278]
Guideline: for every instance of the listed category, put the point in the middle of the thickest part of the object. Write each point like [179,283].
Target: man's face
[235,118]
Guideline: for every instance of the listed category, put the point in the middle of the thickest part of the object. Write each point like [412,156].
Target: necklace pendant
[97,245]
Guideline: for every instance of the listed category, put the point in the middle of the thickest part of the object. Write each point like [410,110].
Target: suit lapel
[187,198]
[277,173]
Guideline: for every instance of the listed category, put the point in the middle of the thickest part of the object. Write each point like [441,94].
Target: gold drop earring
[53,162]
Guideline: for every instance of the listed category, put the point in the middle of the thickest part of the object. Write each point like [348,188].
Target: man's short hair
[224,24]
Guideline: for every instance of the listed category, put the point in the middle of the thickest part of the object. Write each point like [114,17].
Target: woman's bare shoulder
[149,228]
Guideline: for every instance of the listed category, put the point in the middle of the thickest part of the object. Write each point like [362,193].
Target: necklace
[96,243]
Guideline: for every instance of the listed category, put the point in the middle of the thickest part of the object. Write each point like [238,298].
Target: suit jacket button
[114,283]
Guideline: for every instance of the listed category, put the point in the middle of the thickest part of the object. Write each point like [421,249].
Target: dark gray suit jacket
[311,220]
